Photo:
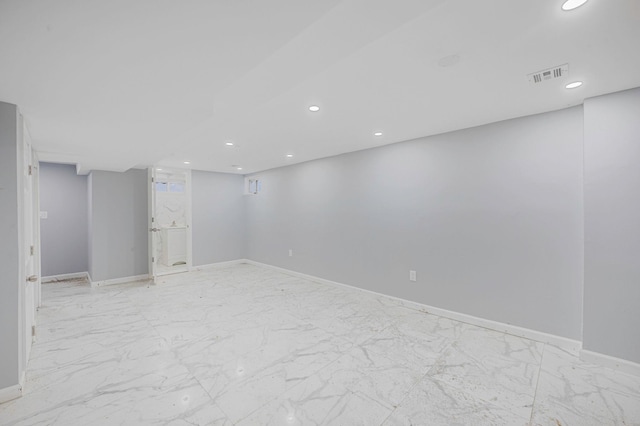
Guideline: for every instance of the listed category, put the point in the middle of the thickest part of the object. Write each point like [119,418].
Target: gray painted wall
[612,225]
[218,217]
[64,239]
[10,247]
[118,220]
[491,218]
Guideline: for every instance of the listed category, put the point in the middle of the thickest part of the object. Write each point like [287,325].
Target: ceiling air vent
[549,74]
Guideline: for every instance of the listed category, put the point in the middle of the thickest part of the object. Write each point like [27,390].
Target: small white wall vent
[549,74]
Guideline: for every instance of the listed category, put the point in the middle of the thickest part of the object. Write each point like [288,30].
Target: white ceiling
[116,84]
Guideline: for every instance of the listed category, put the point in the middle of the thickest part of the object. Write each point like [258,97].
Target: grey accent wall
[491,218]
[64,239]
[10,247]
[218,217]
[612,225]
[118,220]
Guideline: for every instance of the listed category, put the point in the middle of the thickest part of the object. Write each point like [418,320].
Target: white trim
[219,265]
[619,364]
[150,203]
[36,228]
[10,393]
[189,219]
[539,336]
[562,342]
[120,280]
[64,277]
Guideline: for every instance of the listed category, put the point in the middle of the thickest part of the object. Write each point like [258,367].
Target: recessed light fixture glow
[572,4]
[314,108]
[377,134]
[229,143]
[187,162]
[289,155]
[573,85]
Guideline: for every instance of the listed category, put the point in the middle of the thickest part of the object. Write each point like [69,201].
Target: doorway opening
[170,221]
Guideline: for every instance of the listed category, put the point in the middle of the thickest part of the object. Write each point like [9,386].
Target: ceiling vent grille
[549,74]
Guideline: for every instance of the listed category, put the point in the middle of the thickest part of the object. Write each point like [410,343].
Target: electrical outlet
[290,252]
[412,275]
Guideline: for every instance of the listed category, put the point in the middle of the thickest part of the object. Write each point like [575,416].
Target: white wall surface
[10,247]
[119,224]
[218,217]
[64,239]
[491,218]
[612,225]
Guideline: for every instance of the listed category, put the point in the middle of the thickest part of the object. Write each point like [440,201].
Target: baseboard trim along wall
[573,346]
[122,280]
[619,364]
[10,393]
[64,277]
[219,264]
[13,392]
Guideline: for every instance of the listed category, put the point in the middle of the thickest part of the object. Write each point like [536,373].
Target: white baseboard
[122,280]
[15,391]
[218,265]
[570,345]
[619,364]
[562,342]
[64,277]
[10,393]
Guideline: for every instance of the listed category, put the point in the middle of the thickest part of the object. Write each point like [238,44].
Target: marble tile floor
[251,346]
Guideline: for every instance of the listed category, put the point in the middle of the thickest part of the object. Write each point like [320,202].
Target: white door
[31,279]
[35,179]
[170,221]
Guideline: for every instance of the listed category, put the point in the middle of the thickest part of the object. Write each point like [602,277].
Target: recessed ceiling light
[572,4]
[573,85]
[377,134]
[289,155]
[187,162]
[229,143]
[314,108]
[239,168]
[159,170]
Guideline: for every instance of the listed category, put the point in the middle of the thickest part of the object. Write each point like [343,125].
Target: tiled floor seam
[285,391]
[535,393]
[213,400]
[417,383]
[460,388]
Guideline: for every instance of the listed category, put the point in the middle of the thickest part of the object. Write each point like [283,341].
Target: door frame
[36,229]
[28,205]
[151,202]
